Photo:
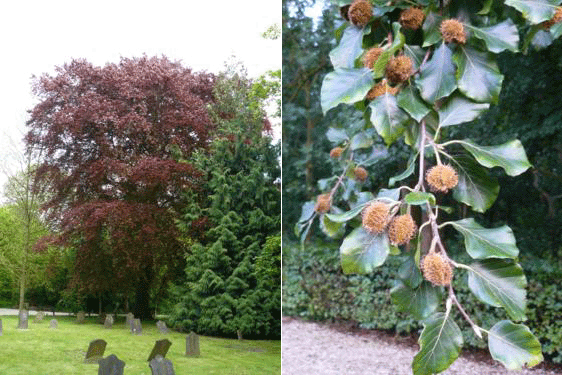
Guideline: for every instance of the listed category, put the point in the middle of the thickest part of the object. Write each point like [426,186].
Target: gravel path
[313,348]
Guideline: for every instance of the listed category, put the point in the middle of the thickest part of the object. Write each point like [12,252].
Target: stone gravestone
[23,319]
[39,317]
[108,321]
[81,317]
[53,324]
[95,351]
[162,327]
[192,345]
[160,348]
[129,319]
[161,366]
[111,365]
[136,328]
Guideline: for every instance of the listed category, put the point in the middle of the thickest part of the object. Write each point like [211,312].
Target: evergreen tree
[226,290]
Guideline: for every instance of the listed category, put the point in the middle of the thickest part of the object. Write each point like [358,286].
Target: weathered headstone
[162,327]
[23,319]
[161,366]
[192,345]
[39,317]
[136,327]
[111,365]
[108,321]
[160,348]
[53,324]
[81,317]
[95,351]
[129,320]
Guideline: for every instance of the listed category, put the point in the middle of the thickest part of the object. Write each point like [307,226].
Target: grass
[40,350]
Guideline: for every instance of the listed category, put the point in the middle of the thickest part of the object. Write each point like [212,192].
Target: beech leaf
[510,156]
[483,242]
[514,345]
[437,76]
[361,251]
[345,86]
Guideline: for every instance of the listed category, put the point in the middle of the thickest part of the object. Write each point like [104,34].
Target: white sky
[38,35]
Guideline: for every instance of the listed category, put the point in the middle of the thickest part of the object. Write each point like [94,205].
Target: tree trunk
[141,308]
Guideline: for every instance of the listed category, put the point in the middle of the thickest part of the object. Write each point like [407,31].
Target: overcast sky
[39,35]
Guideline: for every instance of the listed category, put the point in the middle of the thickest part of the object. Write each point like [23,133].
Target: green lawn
[40,350]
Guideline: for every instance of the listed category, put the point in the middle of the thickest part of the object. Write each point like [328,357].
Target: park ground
[41,350]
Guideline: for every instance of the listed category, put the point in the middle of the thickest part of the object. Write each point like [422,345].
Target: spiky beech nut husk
[381,88]
[375,217]
[360,12]
[442,178]
[371,56]
[323,203]
[360,174]
[453,31]
[401,229]
[436,269]
[336,152]
[411,18]
[399,69]
[554,20]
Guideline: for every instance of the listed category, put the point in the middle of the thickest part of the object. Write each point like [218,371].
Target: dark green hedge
[314,287]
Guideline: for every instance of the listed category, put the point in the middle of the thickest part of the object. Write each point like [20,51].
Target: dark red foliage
[107,135]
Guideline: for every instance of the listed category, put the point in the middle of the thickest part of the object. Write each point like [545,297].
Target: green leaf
[409,100]
[336,136]
[398,42]
[345,86]
[500,283]
[440,345]
[331,228]
[483,242]
[393,194]
[478,75]
[499,37]
[514,345]
[421,302]
[307,211]
[410,168]
[510,156]
[361,252]
[389,120]
[363,139]
[349,48]
[486,8]
[437,76]
[431,33]
[556,30]
[458,110]
[476,187]
[535,10]
[418,198]
[415,53]
[409,273]
[346,216]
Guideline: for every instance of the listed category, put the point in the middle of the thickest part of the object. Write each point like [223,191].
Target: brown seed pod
[336,152]
[375,217]
[442,178]
[323,203]
[436,269]
[380,89]
[411,18]
[360,174]
[371,56]
[554,20]
[399,69]
[453,31]
[360,12]
[401,229]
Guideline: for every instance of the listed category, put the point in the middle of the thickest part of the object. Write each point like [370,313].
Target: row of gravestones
[130,322]
[158,363]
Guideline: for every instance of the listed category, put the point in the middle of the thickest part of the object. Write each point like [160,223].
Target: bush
[314,287]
